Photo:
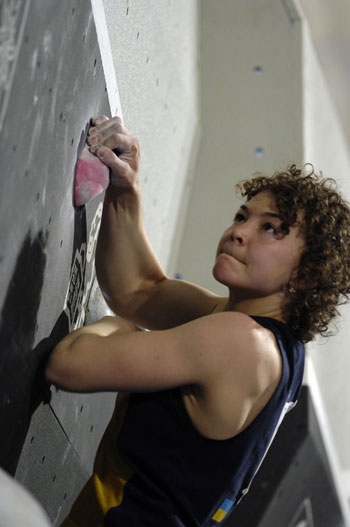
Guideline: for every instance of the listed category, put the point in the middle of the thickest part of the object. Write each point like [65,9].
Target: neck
[267,306]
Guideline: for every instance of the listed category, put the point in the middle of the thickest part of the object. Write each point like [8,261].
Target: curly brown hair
[324,271]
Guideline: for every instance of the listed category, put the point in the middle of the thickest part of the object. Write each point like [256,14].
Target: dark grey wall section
[51,83]
[295,483]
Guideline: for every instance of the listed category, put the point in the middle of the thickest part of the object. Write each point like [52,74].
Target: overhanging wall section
[52,85]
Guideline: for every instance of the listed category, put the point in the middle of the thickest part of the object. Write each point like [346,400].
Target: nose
[239,233]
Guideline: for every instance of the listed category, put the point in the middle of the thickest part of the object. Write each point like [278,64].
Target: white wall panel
[154,47]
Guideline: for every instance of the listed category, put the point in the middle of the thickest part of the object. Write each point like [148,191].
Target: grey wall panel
[84,418]
[49,466]
[51,84]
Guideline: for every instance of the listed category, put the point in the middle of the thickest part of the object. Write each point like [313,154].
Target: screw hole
[259,152]
[257,70]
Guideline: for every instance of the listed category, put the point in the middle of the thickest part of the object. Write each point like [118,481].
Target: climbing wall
[51,83]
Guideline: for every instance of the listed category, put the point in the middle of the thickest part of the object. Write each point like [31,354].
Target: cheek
[295,258]
[289,265]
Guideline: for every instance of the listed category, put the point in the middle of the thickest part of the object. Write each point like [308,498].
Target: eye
[276,230]
[268,227]
[239,218]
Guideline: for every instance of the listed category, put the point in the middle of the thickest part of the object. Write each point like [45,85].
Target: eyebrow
[263,214]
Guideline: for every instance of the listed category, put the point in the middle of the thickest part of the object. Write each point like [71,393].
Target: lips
[227,253]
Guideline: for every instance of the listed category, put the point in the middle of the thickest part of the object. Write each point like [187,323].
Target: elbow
[56,371]
[67,367]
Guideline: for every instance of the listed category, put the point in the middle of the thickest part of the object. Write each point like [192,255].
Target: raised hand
[116,148]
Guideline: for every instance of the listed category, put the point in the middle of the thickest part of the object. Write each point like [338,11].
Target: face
[254,257]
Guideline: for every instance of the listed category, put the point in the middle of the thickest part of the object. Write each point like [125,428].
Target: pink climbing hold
[91,178]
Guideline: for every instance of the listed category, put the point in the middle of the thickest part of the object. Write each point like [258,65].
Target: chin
[219,274]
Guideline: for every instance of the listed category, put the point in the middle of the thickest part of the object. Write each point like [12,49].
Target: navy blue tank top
[171,475]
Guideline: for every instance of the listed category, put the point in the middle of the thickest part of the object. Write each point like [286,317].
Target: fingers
[99,119]
[104,127]
[106,132]
[116,148]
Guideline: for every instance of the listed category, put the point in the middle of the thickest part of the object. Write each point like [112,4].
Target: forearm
[128,271]
[127,268]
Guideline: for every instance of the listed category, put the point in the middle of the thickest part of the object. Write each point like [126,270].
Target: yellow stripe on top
[105,489]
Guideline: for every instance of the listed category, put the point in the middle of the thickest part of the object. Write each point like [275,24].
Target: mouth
[230,255]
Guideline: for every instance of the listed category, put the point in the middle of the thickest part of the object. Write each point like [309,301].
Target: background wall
[326,145]
[265,103]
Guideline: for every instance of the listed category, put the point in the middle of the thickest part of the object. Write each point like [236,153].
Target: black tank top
[154,469]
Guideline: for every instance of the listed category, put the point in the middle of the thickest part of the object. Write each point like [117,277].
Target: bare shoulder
[233,344]
[242,367]
[246,340]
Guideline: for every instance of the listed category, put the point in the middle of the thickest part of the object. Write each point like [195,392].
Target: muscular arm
[229,364]
[112,354]
[130,276]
